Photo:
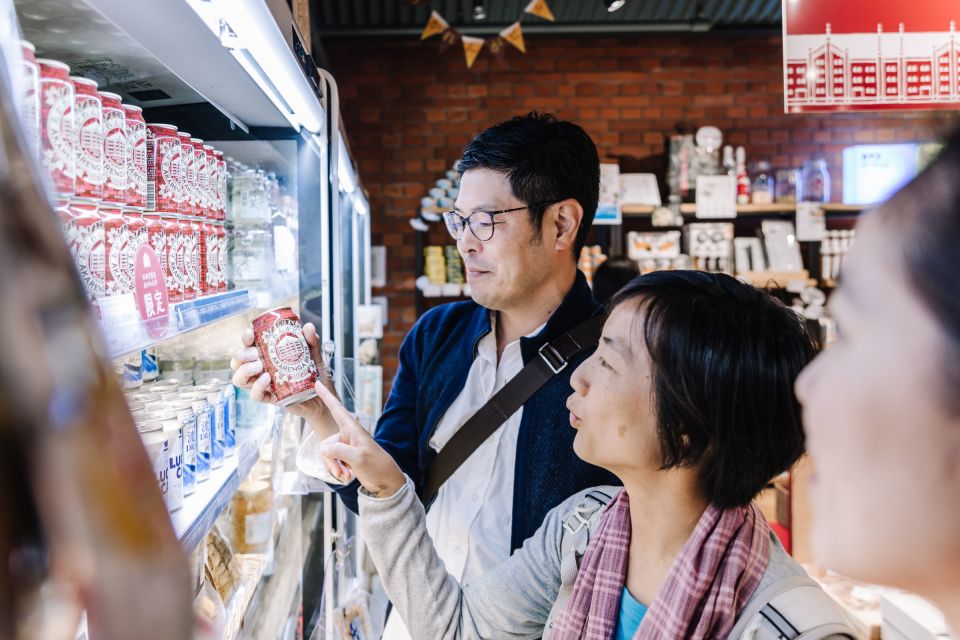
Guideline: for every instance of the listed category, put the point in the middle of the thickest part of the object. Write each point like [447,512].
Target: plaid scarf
[711,580]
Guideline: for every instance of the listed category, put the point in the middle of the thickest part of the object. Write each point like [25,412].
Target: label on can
[136,130]
[149,365]
[174,495]
[116,242]
[115,154]
[230,422]
[204,437]
[285,354]
[188,423]
[175,261]
[57,132]
[89,145]
[163,169]
[210,265]
[31,105]
[90,241]
[222,258]
[216,444]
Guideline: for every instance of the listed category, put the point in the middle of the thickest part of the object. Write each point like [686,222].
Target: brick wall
[409,111]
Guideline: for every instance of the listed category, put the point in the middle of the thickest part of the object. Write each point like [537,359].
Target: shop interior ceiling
[378,18]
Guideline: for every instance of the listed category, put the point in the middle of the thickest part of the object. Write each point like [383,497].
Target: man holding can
[490,376]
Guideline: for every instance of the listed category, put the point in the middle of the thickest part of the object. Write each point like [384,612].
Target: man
[528,194]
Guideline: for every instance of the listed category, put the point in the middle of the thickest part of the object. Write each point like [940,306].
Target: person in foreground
[688,400]
[882,405]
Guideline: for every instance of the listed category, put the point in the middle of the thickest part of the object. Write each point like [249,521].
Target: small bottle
[729,164]
[743,180]
[674,205]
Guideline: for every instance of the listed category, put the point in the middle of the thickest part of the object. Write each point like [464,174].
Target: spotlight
[478,11]
[613,5]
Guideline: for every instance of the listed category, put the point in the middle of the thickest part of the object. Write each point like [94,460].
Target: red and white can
[56,125]
[200,167]
[221,212]
[163,168]
[175,275]
[30,98]
[210,195]
[136,130]
[114,149]
[155,234]
[116,241]
[65,216]
[208,258]
[137,227]
[90,250]
[189,271]
[188,175]
[88,116]
[222,258]
[286,356]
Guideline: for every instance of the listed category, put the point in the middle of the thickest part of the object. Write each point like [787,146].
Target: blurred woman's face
[886,448]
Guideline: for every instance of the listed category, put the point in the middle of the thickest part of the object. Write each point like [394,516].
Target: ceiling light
[613,5]
[478,11]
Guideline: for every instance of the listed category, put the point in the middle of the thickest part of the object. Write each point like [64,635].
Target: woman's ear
[567,217]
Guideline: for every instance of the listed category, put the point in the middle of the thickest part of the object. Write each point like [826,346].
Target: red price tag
[151,292]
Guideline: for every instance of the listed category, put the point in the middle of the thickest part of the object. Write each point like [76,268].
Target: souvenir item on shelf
[710,245]
[782,247]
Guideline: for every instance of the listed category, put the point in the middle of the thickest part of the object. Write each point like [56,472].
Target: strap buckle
[553,358]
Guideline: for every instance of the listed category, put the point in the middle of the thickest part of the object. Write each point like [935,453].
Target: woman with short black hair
[689,401]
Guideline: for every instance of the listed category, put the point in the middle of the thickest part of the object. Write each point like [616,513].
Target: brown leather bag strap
[553,358]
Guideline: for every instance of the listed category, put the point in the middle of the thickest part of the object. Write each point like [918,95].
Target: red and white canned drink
[222,258]
[221,185]
[139,235]
[188,175]
[208,258]
[286,356]
[189,270]
[56,125]
[30,98]
[65,216]
[136,130]
[163,168]
[175,273]
[155,234]
[200,167]
[116,241]
[210,195]
[88,116]
[114,149]
[89,241]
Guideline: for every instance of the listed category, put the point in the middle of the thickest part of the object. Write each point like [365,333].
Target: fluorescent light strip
[348,179]
[254,71]
[259,34]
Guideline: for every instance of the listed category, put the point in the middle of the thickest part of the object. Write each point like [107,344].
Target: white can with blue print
[188,424]
[202,410]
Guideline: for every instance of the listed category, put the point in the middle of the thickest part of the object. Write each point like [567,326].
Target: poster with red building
[870,54]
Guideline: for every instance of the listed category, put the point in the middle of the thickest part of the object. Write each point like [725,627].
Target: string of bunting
[512,35]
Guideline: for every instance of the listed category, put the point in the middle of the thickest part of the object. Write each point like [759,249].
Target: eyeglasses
[481,223]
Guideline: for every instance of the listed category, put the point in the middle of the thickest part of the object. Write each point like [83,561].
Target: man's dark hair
[611,276]
[725,357]
[545,159]
[926,213]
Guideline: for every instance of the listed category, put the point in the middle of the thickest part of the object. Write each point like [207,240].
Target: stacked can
[57,125]
[114,149]
[157,447]
[30,98]
[88,110]
[205,426]
[136,133]
[188,176]
[87,243]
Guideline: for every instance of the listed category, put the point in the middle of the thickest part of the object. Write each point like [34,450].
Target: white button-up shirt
[471,520]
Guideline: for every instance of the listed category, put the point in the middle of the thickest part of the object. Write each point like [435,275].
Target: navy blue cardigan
[436,357]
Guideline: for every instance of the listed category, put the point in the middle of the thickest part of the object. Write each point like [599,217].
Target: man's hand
[249,374]
[356,453]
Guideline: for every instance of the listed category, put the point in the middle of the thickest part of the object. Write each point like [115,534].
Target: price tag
[121,322]
[716,197]
[811,223]
[151,292]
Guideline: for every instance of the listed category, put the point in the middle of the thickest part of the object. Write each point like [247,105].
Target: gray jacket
[511,600]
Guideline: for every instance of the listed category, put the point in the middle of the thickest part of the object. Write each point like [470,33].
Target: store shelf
[747,210]
[445,291]
[193,520]
[789,280]
[125,333]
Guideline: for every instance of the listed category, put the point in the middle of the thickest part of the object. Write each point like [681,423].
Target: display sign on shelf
[716,197]
[870,54]
[608,209]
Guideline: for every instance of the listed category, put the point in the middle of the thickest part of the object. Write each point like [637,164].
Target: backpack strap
[574,540]
[793,608]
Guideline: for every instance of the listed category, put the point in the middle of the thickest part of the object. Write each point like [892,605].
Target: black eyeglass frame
[465,221]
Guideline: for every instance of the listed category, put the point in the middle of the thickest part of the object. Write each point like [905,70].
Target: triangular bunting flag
[514,35]
[447,39]
[540,8]
[498,48]
[435,25]
[471,48]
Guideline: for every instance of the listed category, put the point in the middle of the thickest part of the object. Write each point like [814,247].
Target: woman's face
[885,447]
[611,406]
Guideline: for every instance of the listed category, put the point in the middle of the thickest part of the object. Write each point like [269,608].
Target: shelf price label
[151,292]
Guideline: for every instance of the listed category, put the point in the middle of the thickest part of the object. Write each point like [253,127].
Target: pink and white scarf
[711,580]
